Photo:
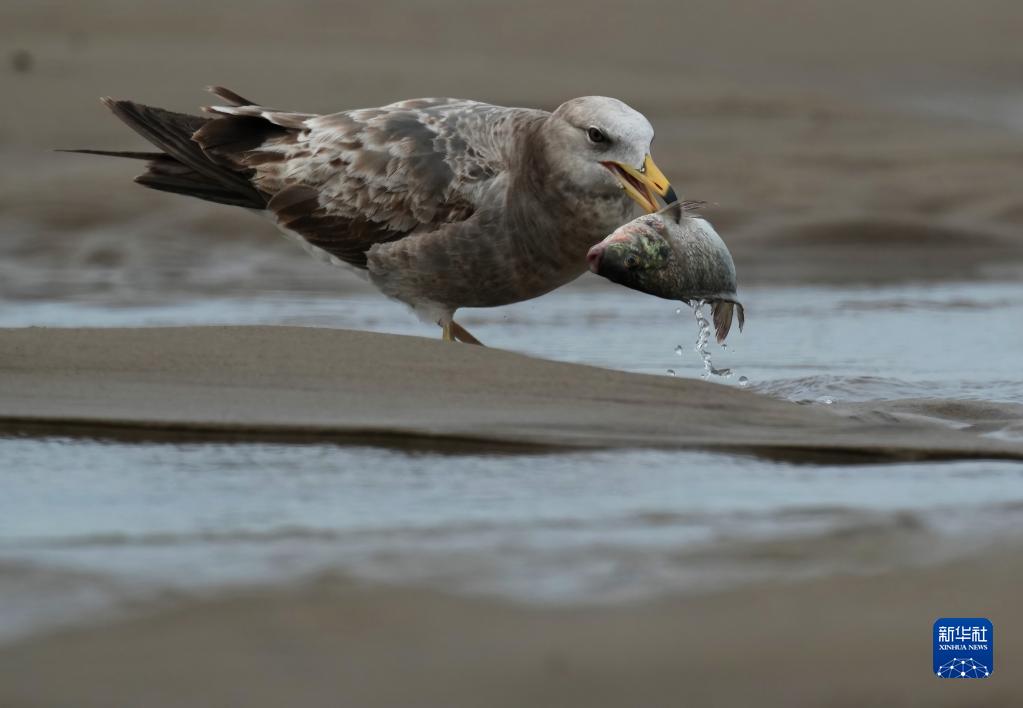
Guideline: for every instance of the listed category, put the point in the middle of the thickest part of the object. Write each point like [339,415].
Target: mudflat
[334,384]
[842,641]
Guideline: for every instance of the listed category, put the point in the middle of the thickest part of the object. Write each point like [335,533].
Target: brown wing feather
[343,182]
[298,209]
[347,181]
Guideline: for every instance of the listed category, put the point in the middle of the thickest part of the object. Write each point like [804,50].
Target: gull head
[603,145]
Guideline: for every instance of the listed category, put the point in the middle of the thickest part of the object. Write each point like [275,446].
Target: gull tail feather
[230,96]
[183,166]
[130,154]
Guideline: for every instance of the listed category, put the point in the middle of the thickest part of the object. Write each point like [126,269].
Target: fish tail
[722,311]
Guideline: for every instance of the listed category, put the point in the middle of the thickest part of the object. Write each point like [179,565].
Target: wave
[855,389]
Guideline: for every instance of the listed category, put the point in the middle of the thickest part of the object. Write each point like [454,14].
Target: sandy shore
[341,385]
[842,642]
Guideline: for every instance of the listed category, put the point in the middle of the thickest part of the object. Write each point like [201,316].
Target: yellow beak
[643,184]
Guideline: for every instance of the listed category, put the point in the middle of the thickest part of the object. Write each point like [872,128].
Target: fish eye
[596,135]
[631,260]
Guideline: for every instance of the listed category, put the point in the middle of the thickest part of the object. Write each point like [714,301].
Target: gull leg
[451,331]
[461,334]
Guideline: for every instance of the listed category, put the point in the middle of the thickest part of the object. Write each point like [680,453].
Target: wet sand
[320,384]
[840,641]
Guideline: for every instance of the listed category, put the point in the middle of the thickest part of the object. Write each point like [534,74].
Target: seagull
[442,203]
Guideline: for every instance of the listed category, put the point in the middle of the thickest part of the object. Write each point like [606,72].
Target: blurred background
[813,128]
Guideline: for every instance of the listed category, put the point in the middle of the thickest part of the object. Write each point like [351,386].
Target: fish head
[673,255]
[637,255]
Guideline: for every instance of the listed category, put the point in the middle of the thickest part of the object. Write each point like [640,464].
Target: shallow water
[960,341]
[92,527]
[101,525]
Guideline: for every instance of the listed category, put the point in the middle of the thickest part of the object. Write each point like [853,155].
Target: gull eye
[631,260]
[596,135]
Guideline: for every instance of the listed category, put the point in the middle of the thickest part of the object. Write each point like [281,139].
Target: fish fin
[673,212]
[722,310]
[692,205]
[676,210]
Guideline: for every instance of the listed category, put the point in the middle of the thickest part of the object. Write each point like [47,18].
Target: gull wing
[346,181]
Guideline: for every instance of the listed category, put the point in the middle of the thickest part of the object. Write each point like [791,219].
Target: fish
[676,255]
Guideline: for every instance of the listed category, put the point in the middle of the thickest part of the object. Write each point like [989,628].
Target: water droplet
[743,381]
[678,350]
[703,340]
[678,310]
[671,372]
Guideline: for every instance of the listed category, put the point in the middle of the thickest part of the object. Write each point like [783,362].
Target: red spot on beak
[594,255]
